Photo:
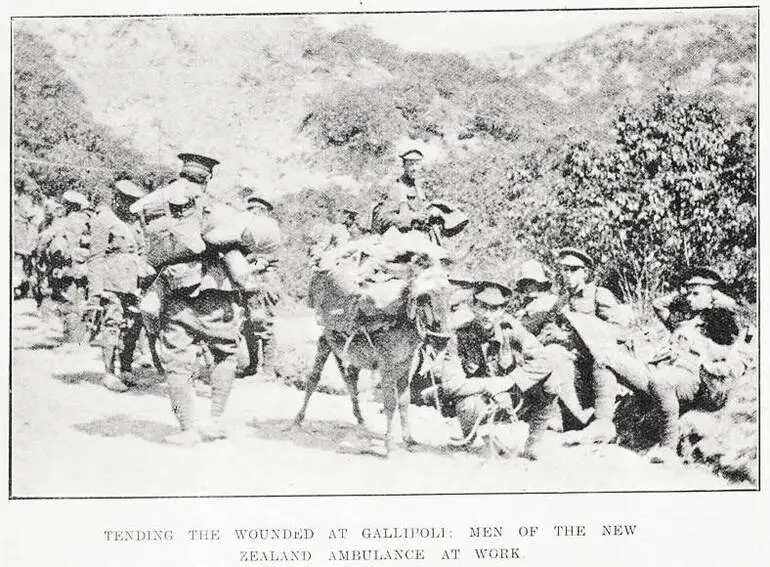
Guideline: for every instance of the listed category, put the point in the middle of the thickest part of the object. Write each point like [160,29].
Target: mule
[422,319]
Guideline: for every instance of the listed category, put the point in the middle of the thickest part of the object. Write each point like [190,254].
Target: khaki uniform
[596,384]
[113,277]
[535,379]
[691,370]
[403,199]
[200,306]
[261,301]
[25,231]
[65,245]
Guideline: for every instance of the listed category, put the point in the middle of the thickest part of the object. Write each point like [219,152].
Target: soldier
[52,210]
[593,379]
[404,207]
[532,379]
[113,280]
[65,245]
[539,309]
[261,300]
[27,219]
[698,366]
[200,304]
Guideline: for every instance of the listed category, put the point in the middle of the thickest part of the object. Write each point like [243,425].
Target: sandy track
[72,437]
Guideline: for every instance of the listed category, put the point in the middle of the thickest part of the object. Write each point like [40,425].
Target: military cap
[253,199]
[197,162]
[532,271]
[493,293]
[129,189]
[575,257]
[71,196]
[463,280]
[704,275]
[412,155]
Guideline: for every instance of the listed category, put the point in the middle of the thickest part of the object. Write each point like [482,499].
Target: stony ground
[72,437]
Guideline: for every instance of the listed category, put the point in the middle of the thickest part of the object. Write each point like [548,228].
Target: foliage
[57,144]
[676,189]
[360,118]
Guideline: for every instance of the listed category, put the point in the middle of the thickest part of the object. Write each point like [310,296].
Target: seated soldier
[607,317]
[540,307]
[697,367]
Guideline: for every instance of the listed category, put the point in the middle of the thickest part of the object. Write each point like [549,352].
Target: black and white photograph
[350,254]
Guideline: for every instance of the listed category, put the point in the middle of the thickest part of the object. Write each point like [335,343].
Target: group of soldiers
[93,262]
[569,354]
[566,353]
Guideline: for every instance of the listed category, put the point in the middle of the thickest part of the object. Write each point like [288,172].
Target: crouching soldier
[533,380]
[114,272]
[697,367]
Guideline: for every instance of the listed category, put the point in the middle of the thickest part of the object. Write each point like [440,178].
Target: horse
[422,318]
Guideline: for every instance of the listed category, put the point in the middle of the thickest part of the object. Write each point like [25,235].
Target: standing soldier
[27,218]
[584,297]
[265,289]
[52,210]
[66,248]
[113,280]
[198,300]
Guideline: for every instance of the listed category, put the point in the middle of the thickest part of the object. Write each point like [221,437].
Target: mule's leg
[350,376]
[404,397]
[389,402]
[323,350]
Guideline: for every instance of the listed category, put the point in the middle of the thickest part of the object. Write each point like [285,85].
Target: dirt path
[72,437]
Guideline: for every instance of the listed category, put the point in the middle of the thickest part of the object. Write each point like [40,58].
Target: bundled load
[367,282]
[181,224]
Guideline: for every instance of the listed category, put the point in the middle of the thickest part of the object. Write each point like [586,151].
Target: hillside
[243,88]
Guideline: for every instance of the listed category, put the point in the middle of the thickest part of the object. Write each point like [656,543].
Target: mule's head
[429,305]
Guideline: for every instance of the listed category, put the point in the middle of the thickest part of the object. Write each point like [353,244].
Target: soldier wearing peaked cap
[65,247]
[515,365]
[403,205]
[595,383]
[698,365]
[115,269]
[261,299]
[199,304]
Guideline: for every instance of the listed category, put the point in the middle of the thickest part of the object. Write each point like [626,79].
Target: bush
[57,144]
[676,189]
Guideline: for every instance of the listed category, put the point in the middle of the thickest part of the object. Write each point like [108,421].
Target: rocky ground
[72,437]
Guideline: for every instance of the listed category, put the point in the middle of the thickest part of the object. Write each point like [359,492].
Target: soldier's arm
[662,308]
[608,308]
[521,339]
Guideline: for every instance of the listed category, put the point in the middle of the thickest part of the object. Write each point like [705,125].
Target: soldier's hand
[723,301]
[260,264]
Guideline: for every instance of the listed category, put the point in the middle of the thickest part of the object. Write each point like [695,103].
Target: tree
[678,188]
[57,143]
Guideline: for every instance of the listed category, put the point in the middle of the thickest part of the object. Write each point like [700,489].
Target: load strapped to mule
[367,284]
